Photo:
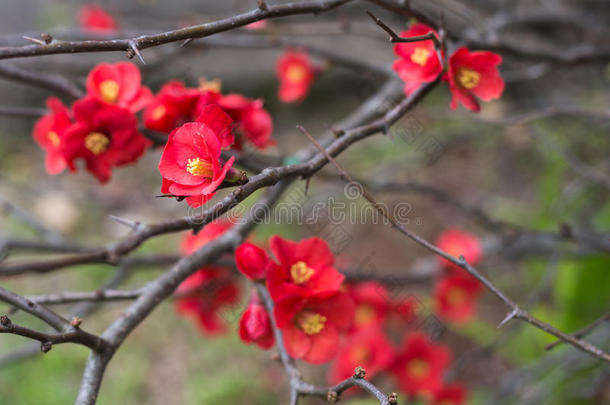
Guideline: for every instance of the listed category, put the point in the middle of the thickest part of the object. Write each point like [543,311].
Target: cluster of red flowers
[209,290]
[470,74]
[456,291]
[102,129]
[310,308]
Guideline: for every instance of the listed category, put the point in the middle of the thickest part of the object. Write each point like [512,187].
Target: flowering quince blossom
[368,348]
[252,261]
[455,297]
[253,122]
[119,84]
[305,268]
[296,74]
[420,365]
[48,133]
[255,326]
[372,304]
[418,61]
[94,18]
[172,106]
[203,294]
[459,243]
[311,324]
[190,163]
[474,74]
[451,394]
[104,136]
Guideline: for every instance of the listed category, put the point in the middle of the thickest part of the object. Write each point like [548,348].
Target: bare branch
[47,81]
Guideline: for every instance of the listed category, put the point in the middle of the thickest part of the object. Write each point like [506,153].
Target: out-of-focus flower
[295,73]
[94,18]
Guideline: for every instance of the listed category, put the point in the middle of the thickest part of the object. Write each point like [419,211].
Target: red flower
[255,326]
[190,163]
[459,243]
[455,297]
[172,106]
[191,242]
[368,348]
[92,17]
[104,136]
[420,365]
[120,84]
[204,294]
[452,394]
[372,304]
[252,261]
[474,74]
[418,61]
[305,268]
[311,324]
[296,74]
[49,132]
[253,121]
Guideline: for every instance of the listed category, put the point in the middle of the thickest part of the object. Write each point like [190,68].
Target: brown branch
[582,332]
[395,38]
[28,112]
[94,296]
[516,312]
[47,81]
[48,340]
[135,44]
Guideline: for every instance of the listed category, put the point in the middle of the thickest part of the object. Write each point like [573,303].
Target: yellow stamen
[364,314]
[97,143]
[456,296]
[468,78]
[109,90]
[158,112]
[420,56]
[54,138]
[311,323]
[199,167]
[418,368]
[300,272]
[211,85]
[296,73]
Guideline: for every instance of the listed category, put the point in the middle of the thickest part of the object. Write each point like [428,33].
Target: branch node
[47,38]
[76,321]
[46,347]
[332,397]
[5,321]
[262,5]
[338,132]
[359,372]
[393,398]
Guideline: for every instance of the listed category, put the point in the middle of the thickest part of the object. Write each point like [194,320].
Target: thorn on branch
[133,51]
[186,42]
[46,347]
[510,316]
[359,372]
[127,222]
[38,41]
